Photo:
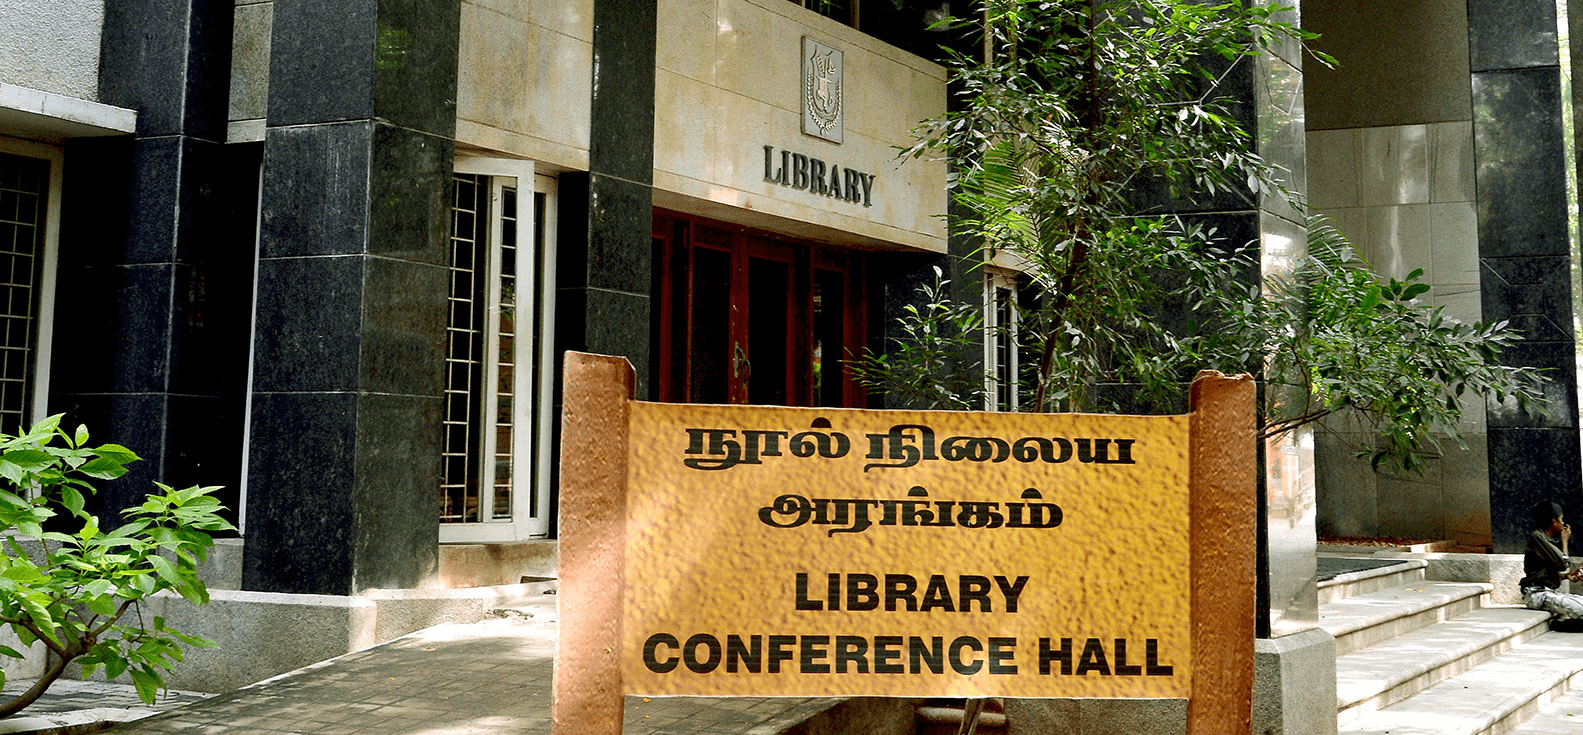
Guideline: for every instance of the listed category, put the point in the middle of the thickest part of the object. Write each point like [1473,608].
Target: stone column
[344,462]
[1524,253]
[604,270]
[155,282]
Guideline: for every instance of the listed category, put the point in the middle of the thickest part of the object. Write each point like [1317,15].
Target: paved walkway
[455,679]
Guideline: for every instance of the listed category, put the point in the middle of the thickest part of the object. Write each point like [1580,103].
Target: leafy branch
[73,592]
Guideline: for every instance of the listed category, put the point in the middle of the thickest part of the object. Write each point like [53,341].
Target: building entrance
[751,317]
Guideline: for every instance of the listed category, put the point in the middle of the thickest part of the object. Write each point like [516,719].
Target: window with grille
[1000,341]
[496,390]
[845,11]
[24,195]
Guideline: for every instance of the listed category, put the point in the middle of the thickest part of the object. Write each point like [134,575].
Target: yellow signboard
[794,552]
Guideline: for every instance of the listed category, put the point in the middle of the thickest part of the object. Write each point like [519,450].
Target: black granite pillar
[1265,95]
[154,284]
[352,282]
[604,277]
[1524,252]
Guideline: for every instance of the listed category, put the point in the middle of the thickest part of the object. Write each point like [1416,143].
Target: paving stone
[492,676]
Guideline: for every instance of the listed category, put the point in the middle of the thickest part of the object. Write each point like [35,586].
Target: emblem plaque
[822,101]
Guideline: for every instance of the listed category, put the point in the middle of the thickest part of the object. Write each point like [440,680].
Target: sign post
[767,551]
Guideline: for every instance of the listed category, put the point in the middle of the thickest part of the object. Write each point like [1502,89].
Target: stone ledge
[54,117]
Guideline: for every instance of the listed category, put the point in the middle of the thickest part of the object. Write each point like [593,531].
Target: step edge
[1368,636]
[1552,686]
[1510,639]
[1473,589]
[1406,566]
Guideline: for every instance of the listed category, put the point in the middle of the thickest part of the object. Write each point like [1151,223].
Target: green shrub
[80,594]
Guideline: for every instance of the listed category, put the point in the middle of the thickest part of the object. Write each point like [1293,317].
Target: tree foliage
[931,365]
[79,594]
[1070,119]
[1070,108]
[1352,341]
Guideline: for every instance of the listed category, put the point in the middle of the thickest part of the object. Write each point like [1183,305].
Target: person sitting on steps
[1543,565]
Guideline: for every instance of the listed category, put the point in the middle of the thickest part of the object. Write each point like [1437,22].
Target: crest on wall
[821,90]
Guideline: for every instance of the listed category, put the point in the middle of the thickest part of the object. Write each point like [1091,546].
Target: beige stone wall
[1390,160]
[524,79]
[1404,195]
[728,84]
[52,46]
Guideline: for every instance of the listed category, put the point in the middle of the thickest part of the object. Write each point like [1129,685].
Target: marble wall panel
[310,324]
[395,550]
[1401,63]
[522,87]
[1465,491]
[326,51]
[625,41]
[169,60]
[1451,162]
[249,92]
[1347,498]
[1278,88]
[1371,171]
[1290,504]
[1334,180]
[1395,165]
[1534,292]
[1453,244]
[317,177]
[1398,239]
[1521,163]
[1404,500]
[301,542]
[1528,465]
[572,18]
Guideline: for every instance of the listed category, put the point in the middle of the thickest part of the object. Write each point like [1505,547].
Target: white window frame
[995,281]
[46,293]
[532,435]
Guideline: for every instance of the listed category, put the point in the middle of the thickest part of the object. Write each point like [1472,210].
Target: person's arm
[1541,546]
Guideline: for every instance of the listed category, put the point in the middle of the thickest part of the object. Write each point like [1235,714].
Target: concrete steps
[1352,584]
[1379,676]
[1371,618]
[1563,715]
[1417,656]
[1494,697]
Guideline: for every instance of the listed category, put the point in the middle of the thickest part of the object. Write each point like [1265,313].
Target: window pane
[464,348]
[505,354]
[829,347]
[22,197]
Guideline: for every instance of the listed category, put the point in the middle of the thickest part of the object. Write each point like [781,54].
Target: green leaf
[29,460]
[163,568]
[100,604]
[116,452]
[104,468]
[147,683]
[73,500]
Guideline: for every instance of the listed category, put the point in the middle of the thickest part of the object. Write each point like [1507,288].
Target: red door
[748,317]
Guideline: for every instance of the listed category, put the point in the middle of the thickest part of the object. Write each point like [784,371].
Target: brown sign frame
[588,692]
